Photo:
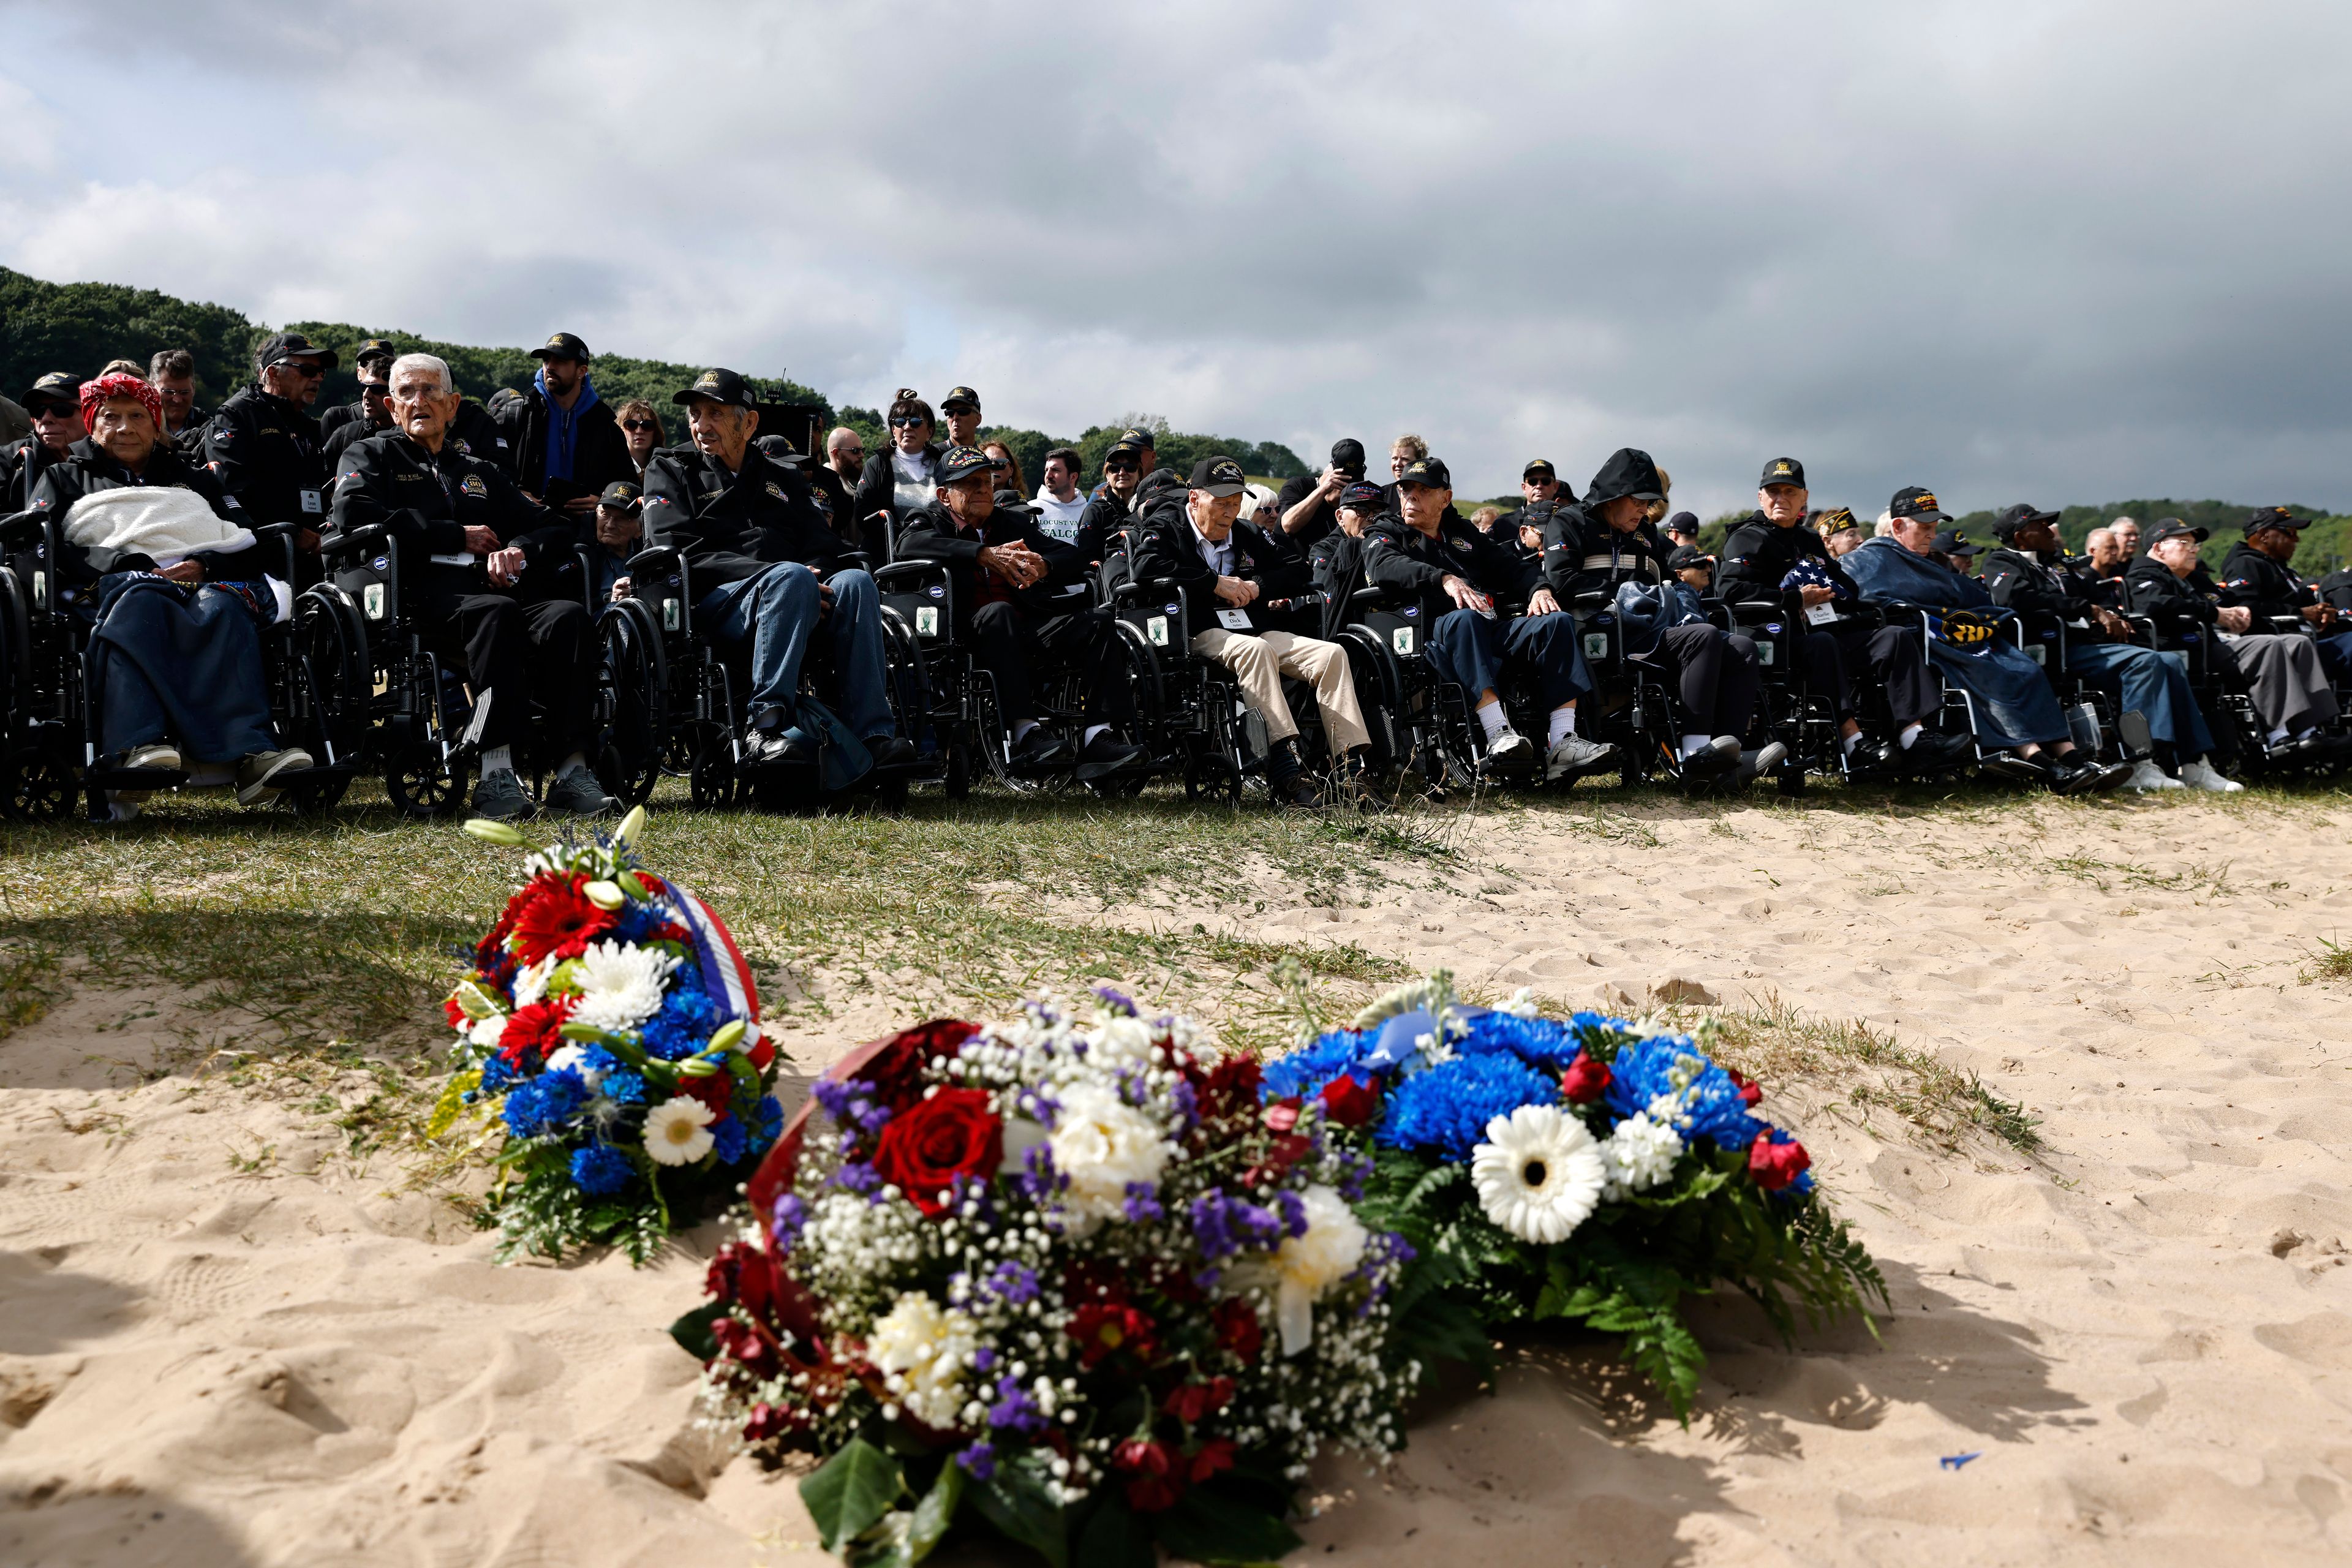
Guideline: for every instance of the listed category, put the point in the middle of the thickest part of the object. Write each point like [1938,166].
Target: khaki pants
[1260,659]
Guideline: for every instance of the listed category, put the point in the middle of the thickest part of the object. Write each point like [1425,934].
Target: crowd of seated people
[1924,652]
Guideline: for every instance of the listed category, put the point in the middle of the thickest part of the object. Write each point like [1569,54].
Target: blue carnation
[1539,1042]
[595,1061]
[1306,1071]
[623,1087]
[728,1139]
[1711,1105]
[600,1170]
[1446,1109]
[683,1026]
[766,1121]
[496,1075]
[545,1103]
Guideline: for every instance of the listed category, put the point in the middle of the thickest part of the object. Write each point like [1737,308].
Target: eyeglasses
[374,389]
[906,421]
[308,369]
[639,425]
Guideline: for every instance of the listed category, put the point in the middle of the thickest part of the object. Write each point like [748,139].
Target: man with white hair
[2124,532]
[488,571]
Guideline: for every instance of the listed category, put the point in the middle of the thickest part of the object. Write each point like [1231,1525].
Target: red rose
[1104,1329]
[743,1274]
[1585,1080]
[928,1144]
[713,1091]
[557,917]
[896,1069]
[535,1030]
[1238,1329]
[1198,1401]
[1152,1484]
[1775,1165]
[769,1422]
[1229,1089]
[1750,1092]
[1348,1101]
[1216,1454]
[739,1343]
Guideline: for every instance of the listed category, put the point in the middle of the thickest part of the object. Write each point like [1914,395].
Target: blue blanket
[2014,704]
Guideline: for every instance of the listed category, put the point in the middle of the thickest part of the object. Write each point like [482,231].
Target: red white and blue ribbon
[725,975]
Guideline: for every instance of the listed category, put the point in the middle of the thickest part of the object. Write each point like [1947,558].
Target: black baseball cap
[1916,500]
[1628,472]
[561,345]
[1012,500]
[1783,472]
[55,387]
[2263,517]
[2006,525]
[1540,470]
[1684,555]
[1835,519]
[1430,471]
[1683,523]
[1122,447]
[279,347]
[1348,455]
[960,397]
[1219,476]
[1952,542]
[1137,438]
[375,349]
[714,386]
[963,462]
[1362,496]
[2173,528]
[622,496]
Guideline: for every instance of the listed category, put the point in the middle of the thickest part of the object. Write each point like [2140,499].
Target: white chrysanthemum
[677,1131]
[921,1348]
[576,1059]
[1434,1048]
[1538,1174]
[486,1032]
[1522,1005]
[1102,1144]
[530,982]
[1638,1155]
[1306,1266]
[620,984]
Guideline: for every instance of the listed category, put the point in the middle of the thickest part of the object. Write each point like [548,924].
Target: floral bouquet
[1592,1170]
[1062,1279]
[609,1034]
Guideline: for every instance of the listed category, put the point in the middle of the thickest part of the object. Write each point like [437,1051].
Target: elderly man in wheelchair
[154,562]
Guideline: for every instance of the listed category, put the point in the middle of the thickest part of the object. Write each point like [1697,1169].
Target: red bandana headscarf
[94,392]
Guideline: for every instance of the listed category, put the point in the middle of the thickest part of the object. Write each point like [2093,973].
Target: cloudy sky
[2047,251]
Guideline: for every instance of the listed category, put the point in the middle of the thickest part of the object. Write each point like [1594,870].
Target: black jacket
[1414,565]
[1337,564]
[2336,588]
[877,487]
[341,417]
[88,469]
[266,452]
[1760,553]
[2252,579]
[1583,554]
[21,462]
[2021,580]
[730,526]
[600,453]
[2174,604]
[838,504]
[428,500]
[338,439]
[932,535]
[1169,548]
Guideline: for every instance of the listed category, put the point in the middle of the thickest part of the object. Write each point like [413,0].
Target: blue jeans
[777,612]
[2155,683]
[1470,650]
[180,664]
[2335,655]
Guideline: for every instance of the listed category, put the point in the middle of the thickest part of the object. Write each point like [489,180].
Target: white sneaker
[2202,774]
[2145,774]
[1508,748]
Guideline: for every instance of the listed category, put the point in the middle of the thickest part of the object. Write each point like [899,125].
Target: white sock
[1694,744]
[1022,727]
[1491,715]
[1563,725]
[497,760]
[1092,730]
[2275,736]
[1850,741]
[1911,734]
[576,759]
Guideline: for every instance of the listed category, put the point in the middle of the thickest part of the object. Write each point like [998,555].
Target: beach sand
[225,1341]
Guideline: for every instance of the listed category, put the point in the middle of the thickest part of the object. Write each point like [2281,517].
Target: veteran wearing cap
[264,446]
[373,362]
[1539,485]
[2257,573]
[1682,530]
[1337,560]
[1010,604]
[1229,572]
[769,576]
[617,533]
[562,438]
[486,571]
[1108,509]
[1307,505]
[960,409]
[54,404]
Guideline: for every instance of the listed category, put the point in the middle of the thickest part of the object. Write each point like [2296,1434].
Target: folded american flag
[1810,574]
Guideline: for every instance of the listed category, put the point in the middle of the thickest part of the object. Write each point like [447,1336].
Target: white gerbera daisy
[1306,1266]
[1538,1174]
[486,1032]
[677,1131]
[1102,1144]
[531,983]
[620,984]
[1639,1155]
[921,1348]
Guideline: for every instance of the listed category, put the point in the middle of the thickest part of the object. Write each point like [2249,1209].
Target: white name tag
[1820,614]
[310,502]
[1233,620]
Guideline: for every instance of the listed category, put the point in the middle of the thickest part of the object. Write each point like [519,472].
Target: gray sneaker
[1575,754]
[257,776]
[576,791]
[499,797]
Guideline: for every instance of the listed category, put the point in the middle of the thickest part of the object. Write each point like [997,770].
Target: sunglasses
[850,452]
[1121,468]
[906,421]
[308,369]
[639,425]
[51,411]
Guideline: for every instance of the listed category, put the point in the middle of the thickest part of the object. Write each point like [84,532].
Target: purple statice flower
[1143,1203]
[1223,1226]
[1355,1169]
[978,1461]
[1014,1284]
[1388,1251]
[983,1359]
[788,1219]
[1188,1104]
[1294,1212]
[1038,1180]
[859,1177]
[1015,1411]
[1119,999]
[834,1096]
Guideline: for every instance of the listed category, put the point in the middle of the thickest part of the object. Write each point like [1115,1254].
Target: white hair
[434,363]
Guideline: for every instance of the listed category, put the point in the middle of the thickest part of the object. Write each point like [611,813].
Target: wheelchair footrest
[136,778]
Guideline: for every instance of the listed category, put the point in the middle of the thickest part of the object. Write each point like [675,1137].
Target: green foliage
[692,1331]
[543,1215]
[850,1492]
[1208,1524]
[2326,544]
[1015,1502]
[77,327]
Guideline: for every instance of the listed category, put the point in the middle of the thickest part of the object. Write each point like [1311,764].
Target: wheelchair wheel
[1211,778]
[40,789]
[711,778]
[636,684]
[1791,778]
[422,783]
[958,782]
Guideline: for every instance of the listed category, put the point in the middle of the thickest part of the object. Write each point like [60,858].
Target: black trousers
[1891,654]
[1717,674]
[514,651]
[1011,647]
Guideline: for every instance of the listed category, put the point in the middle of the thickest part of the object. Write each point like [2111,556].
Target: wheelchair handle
[907,570]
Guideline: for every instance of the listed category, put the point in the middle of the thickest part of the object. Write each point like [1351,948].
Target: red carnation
[1238,1329]
[1348,1102]
[714,1091]
[536,1030]
[1197,1401]
[1286,1151]
[743,1274]
[1750,1092]
[1216,1454]
[1775,1165]
[558,919]
[897,1069]
[739,1343]
[1103,1329]
[1226,1090]
[1152,1484]
[454,1014]
[768,1421]
[1585,1080]
[931,1143]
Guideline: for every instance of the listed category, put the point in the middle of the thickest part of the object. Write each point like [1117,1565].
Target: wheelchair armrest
[1368,597]
[1586,602]
[853,560]
[653,559]
[908,572]
[1134,589]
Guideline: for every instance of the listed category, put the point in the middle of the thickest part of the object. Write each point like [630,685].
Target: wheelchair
[416,725]
[50,715]
[2238,729]
[680,703]
[2098,727]
[1787,708]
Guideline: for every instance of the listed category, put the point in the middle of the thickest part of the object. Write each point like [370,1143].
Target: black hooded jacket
[88,469]
[428,500]
[2021,580]
[2174,604]
[600,453]
[932,534]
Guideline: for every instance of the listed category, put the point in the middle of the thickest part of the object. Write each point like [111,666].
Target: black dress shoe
[2016,769]
[1717,756]
[1106,754]
[2072,775]
[1040,748]
[1871,755]
[891,750]
[1934,750]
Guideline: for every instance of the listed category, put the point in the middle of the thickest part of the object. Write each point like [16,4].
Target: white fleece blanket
[164,523]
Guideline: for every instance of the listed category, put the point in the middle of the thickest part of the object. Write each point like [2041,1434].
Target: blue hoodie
[563,423]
